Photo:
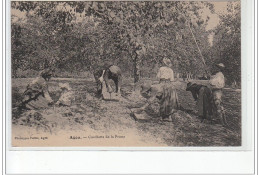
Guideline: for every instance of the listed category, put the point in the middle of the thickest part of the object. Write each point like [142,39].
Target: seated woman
[164,92]
[36,95]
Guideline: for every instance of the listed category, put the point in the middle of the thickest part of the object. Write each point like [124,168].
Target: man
[217,83]
[36,95]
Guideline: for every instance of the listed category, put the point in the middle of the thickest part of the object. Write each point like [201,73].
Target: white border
[188,162]
[247,91]
[2,75]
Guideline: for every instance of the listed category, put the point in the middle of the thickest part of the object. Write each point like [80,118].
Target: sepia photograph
[126,74]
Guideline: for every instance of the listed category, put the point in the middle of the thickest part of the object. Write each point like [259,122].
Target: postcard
[126,74]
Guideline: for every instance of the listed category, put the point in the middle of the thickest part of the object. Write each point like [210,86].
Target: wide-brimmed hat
[167,62]
[220,65]
[65,86]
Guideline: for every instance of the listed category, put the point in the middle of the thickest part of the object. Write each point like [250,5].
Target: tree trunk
[137,63]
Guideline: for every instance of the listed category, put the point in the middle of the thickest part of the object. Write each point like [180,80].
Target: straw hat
[65,86]
[167,62]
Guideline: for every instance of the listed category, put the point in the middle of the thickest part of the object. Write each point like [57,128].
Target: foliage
[227,43]
[134,35]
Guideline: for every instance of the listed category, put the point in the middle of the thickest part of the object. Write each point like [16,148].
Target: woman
[36,95]
[102,77]
[164,92]
[169,102]
[165,72]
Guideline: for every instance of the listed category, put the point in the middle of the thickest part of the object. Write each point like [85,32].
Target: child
[66,95]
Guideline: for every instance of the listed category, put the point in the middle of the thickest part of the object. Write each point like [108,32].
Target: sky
[220,8]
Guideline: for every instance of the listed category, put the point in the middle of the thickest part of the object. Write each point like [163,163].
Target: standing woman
[165,72]
[164,92]
[169,102]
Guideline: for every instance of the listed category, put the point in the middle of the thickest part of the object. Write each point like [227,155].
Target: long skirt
[169,102]
[39,103]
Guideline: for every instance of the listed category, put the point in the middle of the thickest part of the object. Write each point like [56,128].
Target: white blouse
[165,73]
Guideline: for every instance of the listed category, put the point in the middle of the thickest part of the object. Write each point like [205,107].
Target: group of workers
[36,96]
[208,96]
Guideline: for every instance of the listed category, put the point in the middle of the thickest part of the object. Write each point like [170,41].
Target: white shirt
[217,80]
[165,73]
[66,98]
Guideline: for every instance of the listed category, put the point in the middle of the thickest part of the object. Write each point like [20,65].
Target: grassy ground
[89,115]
